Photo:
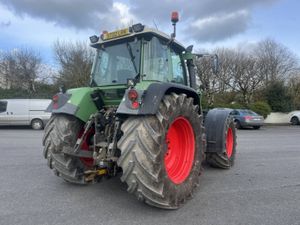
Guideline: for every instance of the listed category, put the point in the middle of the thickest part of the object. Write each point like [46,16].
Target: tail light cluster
[133,97]
[248,117]
[55,101]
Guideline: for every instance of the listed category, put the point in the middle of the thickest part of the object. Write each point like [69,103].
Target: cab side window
[156,62]
[3,106]
[177,68]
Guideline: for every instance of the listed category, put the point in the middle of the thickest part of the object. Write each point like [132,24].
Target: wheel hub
[229,142]
[180,155]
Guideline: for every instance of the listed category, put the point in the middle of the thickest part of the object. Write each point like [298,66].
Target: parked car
[247,118]
[295,118]
[24,112]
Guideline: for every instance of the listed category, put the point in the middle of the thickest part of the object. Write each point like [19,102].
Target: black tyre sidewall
[37,121]
[295,121]
[178,192]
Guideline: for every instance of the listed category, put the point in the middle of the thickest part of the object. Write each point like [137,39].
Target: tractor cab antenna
[155,24]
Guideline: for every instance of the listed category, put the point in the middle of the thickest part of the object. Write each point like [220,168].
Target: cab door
[4,117]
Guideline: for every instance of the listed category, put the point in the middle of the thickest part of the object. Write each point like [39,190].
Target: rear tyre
[256,127]
[225,160]
[295,121]
[161,155]
[62,132]
[37,124]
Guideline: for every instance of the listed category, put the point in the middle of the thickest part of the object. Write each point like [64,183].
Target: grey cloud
[191,11]
[213,29]
[5,24]
[98,14]
[74,13]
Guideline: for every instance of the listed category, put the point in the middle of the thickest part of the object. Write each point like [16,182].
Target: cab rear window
[3,106]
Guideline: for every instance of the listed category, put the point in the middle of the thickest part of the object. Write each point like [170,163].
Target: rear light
[248,117]
[55,98]
[135,105]
[132,95]
[55,101]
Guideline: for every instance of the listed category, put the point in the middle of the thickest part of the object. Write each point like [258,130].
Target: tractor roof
[129,32]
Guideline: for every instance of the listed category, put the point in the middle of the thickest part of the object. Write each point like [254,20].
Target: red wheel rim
[179,157]
[229,142]
[89,162]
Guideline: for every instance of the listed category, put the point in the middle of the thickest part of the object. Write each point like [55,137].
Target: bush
[261,108]
[278,97]
[42,91]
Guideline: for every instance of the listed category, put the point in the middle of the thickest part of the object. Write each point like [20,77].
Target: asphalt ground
[263,187]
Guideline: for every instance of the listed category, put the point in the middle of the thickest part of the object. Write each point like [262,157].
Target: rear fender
[77,102]
[152,97]
[215,125]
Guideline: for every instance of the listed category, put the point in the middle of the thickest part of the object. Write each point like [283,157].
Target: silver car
[247,118]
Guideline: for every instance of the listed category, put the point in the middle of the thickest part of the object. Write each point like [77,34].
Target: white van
[24,112]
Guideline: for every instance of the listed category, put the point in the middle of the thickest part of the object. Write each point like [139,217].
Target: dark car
[247,118]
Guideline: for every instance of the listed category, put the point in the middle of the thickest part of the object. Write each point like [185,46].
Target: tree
[294,89]
[246,77]
[208,80]
[276,62]
[75,61]
[239,74]
[19,68]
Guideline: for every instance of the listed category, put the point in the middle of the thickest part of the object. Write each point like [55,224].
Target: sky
[206,24]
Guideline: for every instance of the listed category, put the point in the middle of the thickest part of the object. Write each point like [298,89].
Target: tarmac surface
[263,187]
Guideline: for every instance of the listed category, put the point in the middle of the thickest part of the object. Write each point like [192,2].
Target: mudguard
[153,95]
[75,102]
[215,125]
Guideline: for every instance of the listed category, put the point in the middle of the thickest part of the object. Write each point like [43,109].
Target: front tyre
[161,155]
[37,124]
[225,159]
[295,121]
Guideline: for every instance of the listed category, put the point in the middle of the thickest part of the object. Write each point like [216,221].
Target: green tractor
[140,118]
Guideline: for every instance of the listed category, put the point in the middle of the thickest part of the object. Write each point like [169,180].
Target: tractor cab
[137,54]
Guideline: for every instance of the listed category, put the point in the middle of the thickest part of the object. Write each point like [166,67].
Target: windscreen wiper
[132,57]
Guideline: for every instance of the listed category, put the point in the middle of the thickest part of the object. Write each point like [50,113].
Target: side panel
[81,97]
[151,98]
[18,112]
[214,123]
[37,110]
